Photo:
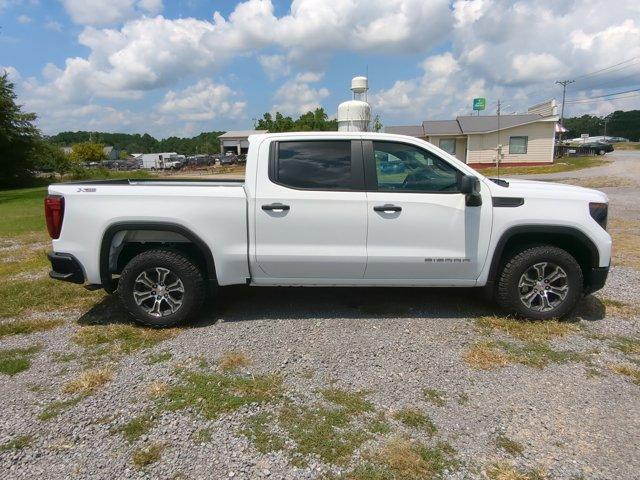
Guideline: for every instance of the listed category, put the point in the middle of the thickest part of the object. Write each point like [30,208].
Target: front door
[419,226]
[311,213]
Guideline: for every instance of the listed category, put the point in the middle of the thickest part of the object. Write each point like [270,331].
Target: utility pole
[499,147]
[564,84]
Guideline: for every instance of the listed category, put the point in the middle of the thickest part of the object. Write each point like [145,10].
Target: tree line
[619,124]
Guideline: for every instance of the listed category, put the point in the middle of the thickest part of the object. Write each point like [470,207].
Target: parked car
[599,148]
[228,159]
[313,210]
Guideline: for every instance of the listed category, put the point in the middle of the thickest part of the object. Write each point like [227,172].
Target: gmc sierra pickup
[343,209]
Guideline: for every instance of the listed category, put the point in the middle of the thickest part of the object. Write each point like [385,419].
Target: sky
[180,67]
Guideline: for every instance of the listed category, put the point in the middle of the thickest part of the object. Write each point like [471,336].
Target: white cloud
[53,25]
[274,66]
[109,12]
[297,96]
[11,72]
[24,19]
[202,102]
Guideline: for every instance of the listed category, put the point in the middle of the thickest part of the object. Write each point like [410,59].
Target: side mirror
[470,186]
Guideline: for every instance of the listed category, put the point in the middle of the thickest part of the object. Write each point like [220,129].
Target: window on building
[320,165]
[518,144]
[406,168]
[448,145]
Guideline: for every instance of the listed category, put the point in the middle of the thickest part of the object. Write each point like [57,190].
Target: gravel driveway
[336,383]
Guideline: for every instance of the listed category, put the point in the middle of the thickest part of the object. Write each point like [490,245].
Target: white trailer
[159,161]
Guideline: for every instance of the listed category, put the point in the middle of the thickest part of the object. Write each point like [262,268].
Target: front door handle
[387,207]
[276,207]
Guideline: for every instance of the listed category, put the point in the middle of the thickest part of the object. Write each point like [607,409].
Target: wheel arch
[107,238]
[518,238]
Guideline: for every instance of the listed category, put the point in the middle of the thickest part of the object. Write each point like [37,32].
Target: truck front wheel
[540,283]
[161,288]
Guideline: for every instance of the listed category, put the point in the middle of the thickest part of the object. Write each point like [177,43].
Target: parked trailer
[160,161]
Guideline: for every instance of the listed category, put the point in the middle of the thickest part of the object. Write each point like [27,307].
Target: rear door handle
[276,207]
[387,207]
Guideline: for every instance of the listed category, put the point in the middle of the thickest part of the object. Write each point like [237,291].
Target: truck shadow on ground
[242,303]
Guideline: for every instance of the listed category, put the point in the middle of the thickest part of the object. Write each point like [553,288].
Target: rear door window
[314,165]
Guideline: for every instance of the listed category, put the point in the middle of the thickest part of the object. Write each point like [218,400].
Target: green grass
[16,360]
[56,408]
[627,345]
[22,211]
[23,327]
[214,393]
[159,357]
[137,426]
[203,435]
[121,338]
[18,443]
[434,396]
[510,446]
[565,164]
[414,418]
[323,432]
[352,402]
[147,455]
[401,459]
[497,354]
[258,431]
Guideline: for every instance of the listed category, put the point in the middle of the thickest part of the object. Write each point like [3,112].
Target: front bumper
[65,267]
[595,279]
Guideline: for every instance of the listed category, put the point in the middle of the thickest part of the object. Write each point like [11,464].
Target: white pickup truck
[331,209]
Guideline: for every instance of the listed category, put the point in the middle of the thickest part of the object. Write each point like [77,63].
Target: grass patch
[617,308]
[147,455]
[157,388]
[19,296]
[18,443]
[378,425]
[257,429]
[567,164]
[627,371]
[463,398]
[526,330]
[414,418]
[325,432]
[203,435]
[159,357]
[434,396]
[233,361]
[498,354]
[23,327]
[136,427]
[485,356]
[56,408]
[510,446]
[626,247]
[22,211]
[627,345]
[215,393]
[353,402]
[89,381]
[504,471]
[402,459]
[121,338]
[16,360]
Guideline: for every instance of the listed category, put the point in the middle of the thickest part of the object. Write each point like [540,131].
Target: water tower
[355,115]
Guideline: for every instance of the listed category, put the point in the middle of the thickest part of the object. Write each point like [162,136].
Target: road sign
[479,103]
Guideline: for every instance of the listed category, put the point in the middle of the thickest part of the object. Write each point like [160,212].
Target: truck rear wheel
[540,283]
[161,288]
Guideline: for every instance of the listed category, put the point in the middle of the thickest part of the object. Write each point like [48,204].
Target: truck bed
[222,182]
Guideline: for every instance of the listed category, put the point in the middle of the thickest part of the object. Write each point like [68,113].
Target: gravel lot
[569,417]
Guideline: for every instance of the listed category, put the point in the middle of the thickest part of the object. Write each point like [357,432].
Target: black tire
[181,269]
[511,295]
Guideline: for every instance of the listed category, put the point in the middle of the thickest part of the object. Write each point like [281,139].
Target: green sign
[479,103]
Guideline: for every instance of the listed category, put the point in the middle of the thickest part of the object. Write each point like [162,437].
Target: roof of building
[241,133]
[411,130]
[468,124]
[441,127]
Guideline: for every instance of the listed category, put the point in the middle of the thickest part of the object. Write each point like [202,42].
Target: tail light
[54,213]
[599,212]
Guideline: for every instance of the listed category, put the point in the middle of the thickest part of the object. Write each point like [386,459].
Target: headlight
[599,213]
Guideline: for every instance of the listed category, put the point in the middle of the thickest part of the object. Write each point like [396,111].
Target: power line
[597,100]
[579,100]
[597,72]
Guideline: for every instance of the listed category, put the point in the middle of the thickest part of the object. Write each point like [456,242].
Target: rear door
[420,228]
[311,213]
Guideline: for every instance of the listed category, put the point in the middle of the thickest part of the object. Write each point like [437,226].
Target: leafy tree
[18,137]
[51,158]
[87,152]
[318,120]
[377,124]
[619,124]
